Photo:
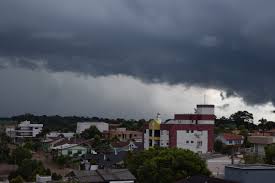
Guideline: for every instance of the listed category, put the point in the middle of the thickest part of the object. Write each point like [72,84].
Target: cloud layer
[221,44]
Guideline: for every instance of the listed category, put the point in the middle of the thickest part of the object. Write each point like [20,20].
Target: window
[157,133]
[230,141]
[150,143]
[187,131]
[192,131]
[79,152]
[199,143]
[150,132]
[187,142]
[70,152]
[192,141]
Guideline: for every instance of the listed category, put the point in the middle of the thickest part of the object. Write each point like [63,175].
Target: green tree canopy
[17,179]
[29,169]
[165,165]
[90,133]
[270,154]
[20,154]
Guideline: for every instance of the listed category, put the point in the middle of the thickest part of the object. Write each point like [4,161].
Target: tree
[218,146]
[90,133]
[20,154]
[165,165]
[17,179]
[270,154]
[29,169]
[263,122]
[56,177]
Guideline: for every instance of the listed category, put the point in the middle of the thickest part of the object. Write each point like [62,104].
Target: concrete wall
[199,122]
[164,138]
[101,126]
[196,141]
[146,139]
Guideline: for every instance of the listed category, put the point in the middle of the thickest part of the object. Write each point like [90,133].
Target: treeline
[68,123]
[243,120]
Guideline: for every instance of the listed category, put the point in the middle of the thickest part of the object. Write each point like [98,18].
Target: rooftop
[231,136]
[252,166]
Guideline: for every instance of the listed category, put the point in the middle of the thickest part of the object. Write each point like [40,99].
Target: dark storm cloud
[210,43]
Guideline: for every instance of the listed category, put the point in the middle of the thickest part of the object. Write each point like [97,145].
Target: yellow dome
[154,124]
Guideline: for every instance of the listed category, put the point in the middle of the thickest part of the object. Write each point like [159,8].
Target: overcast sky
[133,59]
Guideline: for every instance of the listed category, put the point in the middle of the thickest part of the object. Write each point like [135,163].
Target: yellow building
[152,134]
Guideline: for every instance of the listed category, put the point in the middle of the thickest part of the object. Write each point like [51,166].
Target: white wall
[199,122]
[101,126]
[205,110]
[164,138]
[146,139]
[197,136]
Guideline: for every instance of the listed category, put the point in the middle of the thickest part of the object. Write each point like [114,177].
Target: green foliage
[90,133]
[270,154]
[17,179]
[63,160]
[56,177]
[218,146]
[252,159]
[33,146]
[20,154]
[4,149]
[165,165]
[29,169]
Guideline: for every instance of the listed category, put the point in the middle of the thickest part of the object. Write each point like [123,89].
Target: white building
[187,131]
[25,129]
[101,126]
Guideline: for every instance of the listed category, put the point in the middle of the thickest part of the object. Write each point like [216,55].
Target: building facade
[101,126]
[231,139]
[187,131]
[25,129]
[124,135]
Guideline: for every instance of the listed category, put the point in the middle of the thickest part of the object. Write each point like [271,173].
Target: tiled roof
[6,169]
[204,179]
[102,175]
[230,136]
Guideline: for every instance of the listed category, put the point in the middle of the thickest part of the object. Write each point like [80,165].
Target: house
[43,179]
[123,134]
[58,134]
[107,160]
[259,143]
[102,176]
[204,179]
[72,148]
[187,131]
[6,170]
[101,126]
[126,146]
[250,173]
[231,139]
[50,142]
[25,129]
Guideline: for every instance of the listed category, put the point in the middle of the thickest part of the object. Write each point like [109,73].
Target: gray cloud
[217,44]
